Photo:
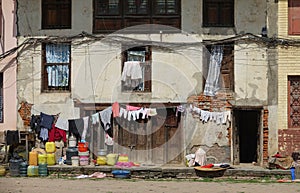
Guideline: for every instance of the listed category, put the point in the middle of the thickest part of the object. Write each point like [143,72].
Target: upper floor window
[56,14]
[294,17]
[113,15]
[218,70]
[136,69]
[218,13]
[294,101]
[56,67]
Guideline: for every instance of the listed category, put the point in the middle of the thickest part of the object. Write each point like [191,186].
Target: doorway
[247,135]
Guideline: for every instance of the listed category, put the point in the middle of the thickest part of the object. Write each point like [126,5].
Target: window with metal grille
[113,15]
[136,69]
[294,17]
[218,13]
[294,101]
[56,67]
[56,14]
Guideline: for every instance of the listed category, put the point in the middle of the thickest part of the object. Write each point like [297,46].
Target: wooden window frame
[108,23]
[290,122]
[148,65]
[293,17]
[228,56]
[62,21]
[44,82]
[221,6]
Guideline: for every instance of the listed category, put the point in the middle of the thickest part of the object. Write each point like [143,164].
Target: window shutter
[294,17]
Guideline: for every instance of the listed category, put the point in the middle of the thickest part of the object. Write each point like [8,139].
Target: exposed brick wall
[25,112]
[288,141]
[265,136]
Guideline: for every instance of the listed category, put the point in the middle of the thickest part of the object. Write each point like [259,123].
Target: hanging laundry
[205,115]
[95,119]
[35,123]
[44,134]
[180,109]
[76,127]
[62,123]
[144,112]
[12,137]
[132,108]
[85,127]
[56,134]
[105,117]
[108,140]
[123,112]
[132,74]
[226,117]
[116,109]
[46,120]
[151,112]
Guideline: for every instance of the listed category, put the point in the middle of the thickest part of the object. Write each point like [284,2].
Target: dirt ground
[56,185]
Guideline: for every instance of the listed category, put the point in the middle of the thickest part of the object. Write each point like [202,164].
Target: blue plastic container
[121,173]
[293,175]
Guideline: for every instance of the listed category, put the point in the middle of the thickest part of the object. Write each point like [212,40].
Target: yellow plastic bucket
[101,160]
[51,159]
[50,147]
[111,159]
[42,158]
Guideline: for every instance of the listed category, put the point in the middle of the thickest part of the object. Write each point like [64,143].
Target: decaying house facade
[8,66]
[87,45]
[288,76]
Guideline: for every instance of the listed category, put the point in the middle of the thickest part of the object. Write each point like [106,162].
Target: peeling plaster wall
[96,67]
[251,75]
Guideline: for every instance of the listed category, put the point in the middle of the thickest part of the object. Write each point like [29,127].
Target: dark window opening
[218,13]
[56,14]
[113,15]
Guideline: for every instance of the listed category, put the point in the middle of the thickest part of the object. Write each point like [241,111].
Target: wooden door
[157,140]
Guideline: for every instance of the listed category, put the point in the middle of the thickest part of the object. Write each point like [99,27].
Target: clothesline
[55,125]
[205,116]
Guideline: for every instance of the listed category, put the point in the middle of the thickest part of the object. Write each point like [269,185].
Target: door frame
[235,143]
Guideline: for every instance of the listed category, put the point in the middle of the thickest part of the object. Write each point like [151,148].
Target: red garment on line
[56,134]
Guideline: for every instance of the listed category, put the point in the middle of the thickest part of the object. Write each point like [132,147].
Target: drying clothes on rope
[132,108]
[56,134]
[116,109]
[132,74]
[105,117]
[85,127]
[108,140]
[129,115]
[35,123]
[12,137]
[144,113]
[95,119]
[151,112]
[226,116]
[76,127]
[46,120]
[180,109]
[62,123]
[44,134]
[123,112]
[204,115]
